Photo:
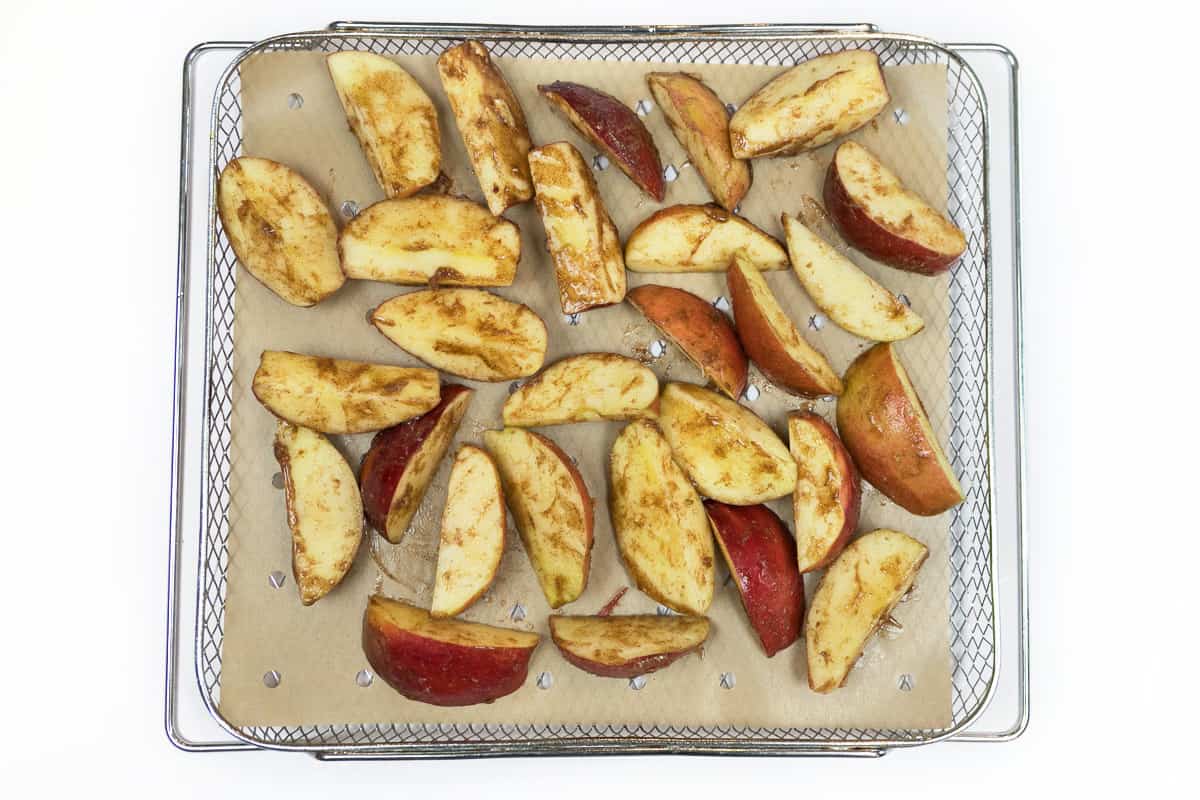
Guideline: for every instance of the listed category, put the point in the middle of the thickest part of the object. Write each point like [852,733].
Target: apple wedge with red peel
[772,340]
[730,454]
[761,556]
[444,662]
[851,297]
[882,218]
[395,121]
[466,332]
[551,506]
[828,493]
[430,238]
[661,530]
[887,432]
[700,121]
[613,128]
[690,238]
[331,395]
[280,229]
[584,388]
[626,646]
[855,596]
[580,236]
[324,509]
[704,334]
[472,537]
[810,105]
[401,462]
[491,122]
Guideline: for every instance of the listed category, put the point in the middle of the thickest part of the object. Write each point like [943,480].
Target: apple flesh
[772,340]
[730,454]
[703,334]
[583,388]
[761,556]
[402,460]
[324,509]
[878,215]
[628,645]
[332,395]
[856,594]
[612,127]
[828,495]
[660,526]
[690,238]
[472,537]
[551,506]
[887,432]
[443,662]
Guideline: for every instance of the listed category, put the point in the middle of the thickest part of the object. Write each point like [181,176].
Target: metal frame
[597,745]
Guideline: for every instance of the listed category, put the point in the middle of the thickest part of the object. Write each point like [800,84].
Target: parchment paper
[316,650]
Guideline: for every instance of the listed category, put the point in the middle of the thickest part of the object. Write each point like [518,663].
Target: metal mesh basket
[972,580]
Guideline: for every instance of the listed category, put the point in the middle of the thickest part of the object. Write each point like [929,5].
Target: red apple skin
[631,669]
[762,557]
[390,454]
[614,128]
[702,332]
[868,236]
[849,493]
[440,673]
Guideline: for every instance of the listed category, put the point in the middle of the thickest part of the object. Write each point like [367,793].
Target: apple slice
[885,220]
[828,492]
[466,332]
[431,238]
[730,454]
[626,646]
[761,555]
[402,460]
[491,123]
[472,538]
[394,120]
[280,229]
[324,509]
[592,386]
[772,341]
[703,334]
[552,509]
[856,594]
[331,395]
[699,239]
[884,426]
[659,523]
[613,128]
[580,235]
[700,121]
[848,295]
[809,105]
[444,662]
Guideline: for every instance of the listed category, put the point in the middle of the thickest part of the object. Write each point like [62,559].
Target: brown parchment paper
[316,650]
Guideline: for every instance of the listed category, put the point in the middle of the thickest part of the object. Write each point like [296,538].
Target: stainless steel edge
[596,32]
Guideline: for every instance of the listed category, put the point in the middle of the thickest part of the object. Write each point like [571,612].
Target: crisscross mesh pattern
[972,635]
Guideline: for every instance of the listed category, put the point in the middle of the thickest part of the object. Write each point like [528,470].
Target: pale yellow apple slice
[583,388]
[809,105]
[466,332]
[395,121]
[280,229]
[472,538]
[552,509]
[854,597]
[730,454]
[828,494]
[324,509]
[444,241]
[626,646]
[332,395]
[690,238]
[662,530]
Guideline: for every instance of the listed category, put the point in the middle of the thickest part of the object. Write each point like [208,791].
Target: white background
[89,101]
